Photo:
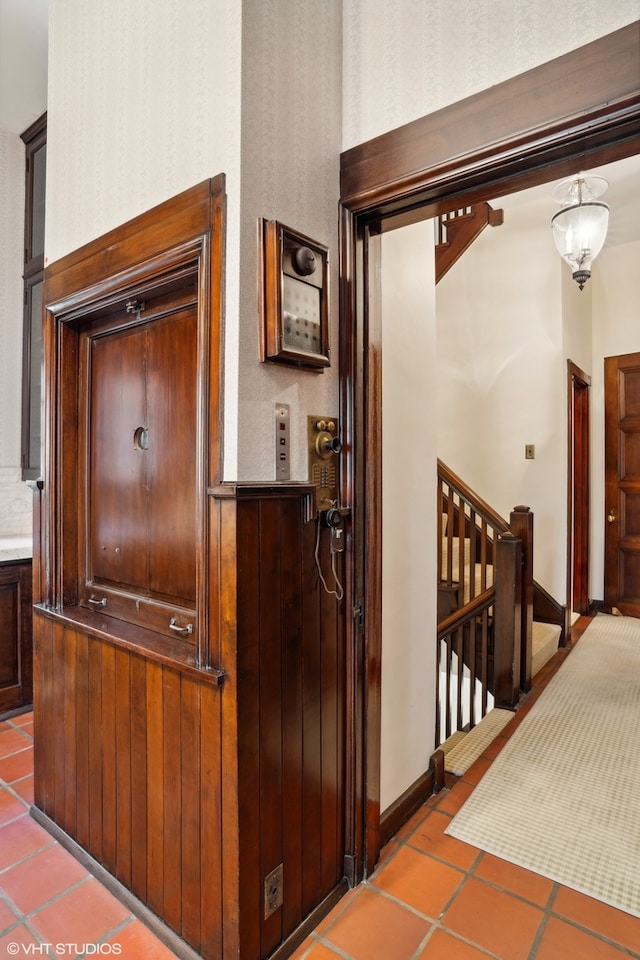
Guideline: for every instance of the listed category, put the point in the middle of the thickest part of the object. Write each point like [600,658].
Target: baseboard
[176,944]
[16,711]
[413,798]
[122,893]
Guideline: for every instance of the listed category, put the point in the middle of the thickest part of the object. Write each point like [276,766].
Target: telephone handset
[334,518]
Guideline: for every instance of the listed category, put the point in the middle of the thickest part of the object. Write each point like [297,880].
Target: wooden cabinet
[16,658]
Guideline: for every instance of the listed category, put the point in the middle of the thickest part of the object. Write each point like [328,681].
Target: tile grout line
[50,902]
[29,856]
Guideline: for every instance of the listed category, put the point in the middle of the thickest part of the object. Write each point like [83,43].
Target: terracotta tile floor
[431,898]
[50,906]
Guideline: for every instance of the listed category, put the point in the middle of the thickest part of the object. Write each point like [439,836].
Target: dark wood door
[140,384]
[622,483]
[579,469]
[16,658]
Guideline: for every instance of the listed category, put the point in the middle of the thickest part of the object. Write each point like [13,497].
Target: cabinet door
[16,656]
[140,385]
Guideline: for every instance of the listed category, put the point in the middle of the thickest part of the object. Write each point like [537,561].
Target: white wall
[405,60]
[23,98]
[408,515]
[144,102]
[502,377]
[154,97]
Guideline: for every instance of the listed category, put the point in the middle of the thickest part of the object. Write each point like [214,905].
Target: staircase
[489,644]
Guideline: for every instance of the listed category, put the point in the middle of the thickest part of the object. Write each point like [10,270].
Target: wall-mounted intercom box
[294,300]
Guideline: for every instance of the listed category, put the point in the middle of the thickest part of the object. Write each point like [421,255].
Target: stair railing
[484,605]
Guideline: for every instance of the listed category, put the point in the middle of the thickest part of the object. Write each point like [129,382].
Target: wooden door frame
[571,113]
[578,490]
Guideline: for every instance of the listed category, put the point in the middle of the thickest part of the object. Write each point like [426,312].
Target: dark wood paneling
[290,713]
[137,711]
[123,773]
[248,680]
[311,811]
[118,768]
[210,836]
[173,782]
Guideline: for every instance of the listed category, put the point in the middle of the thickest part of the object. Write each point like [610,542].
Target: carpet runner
[563,796]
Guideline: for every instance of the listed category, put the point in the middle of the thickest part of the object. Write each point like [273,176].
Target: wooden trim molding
[575,111]
[571,106]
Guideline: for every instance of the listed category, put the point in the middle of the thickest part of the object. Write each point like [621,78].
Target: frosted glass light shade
[580,227]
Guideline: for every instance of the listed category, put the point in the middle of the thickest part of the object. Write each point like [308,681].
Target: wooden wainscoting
[128,765]
[283,654]
[188,785]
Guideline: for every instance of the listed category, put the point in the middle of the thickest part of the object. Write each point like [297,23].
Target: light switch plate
[282,451]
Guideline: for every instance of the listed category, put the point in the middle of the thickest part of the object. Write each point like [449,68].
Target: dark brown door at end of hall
[622,483]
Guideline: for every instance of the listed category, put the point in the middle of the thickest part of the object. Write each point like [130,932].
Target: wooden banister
[486,564]
[521,524]
[457,231]
[469,496]
[506,676]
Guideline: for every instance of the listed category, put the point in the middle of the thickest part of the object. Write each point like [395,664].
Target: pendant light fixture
[580,226]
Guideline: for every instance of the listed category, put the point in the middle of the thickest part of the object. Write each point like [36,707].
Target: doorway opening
[405,176]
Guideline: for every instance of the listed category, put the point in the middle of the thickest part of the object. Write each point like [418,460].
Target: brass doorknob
[611,516]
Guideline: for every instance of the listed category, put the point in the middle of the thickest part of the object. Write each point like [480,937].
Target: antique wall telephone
[324,449]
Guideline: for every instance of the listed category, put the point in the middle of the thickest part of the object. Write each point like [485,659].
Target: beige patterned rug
[563,796]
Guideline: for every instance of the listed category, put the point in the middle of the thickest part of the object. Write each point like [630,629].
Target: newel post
[506,664]
[521,523]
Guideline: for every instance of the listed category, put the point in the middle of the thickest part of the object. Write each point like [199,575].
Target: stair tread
[545,638]
[464,754]
[543,632]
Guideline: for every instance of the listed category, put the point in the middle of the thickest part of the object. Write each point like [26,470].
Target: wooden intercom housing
[294,297]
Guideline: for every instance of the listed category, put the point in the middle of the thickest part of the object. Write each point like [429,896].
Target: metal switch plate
[273,890]
[282,441]
[529,451]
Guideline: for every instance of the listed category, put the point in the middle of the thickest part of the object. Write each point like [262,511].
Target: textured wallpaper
[144,102]
[291,130]
[406,59]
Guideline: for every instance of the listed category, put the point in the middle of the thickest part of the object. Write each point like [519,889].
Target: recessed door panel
[171,456]
[629,387]
[118,523]
[140,389]
[629,520]
[630,454]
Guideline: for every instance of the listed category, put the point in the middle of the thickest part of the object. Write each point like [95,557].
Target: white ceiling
[622,197]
